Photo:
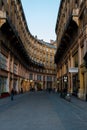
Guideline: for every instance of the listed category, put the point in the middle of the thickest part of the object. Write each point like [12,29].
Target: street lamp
[65,78]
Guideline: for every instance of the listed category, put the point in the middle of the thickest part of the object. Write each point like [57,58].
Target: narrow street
[42,111]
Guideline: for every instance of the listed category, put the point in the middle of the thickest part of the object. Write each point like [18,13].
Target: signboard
[73,70]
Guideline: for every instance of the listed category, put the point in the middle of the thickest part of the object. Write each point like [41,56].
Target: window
[3,83]
[76,3]
[15,68]
[3,61]
[39,77]
[31,76]
[1,5]
[49,78]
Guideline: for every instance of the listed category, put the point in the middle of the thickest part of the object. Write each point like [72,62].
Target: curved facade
[71,54]
[25,61]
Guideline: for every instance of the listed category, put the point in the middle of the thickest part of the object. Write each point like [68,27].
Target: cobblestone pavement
[42,111]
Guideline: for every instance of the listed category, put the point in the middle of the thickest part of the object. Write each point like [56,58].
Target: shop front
[4,90]
[83,83]
[75,83]
[74,77]
[49,82]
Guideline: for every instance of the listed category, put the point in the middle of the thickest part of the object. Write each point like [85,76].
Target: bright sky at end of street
[41,16]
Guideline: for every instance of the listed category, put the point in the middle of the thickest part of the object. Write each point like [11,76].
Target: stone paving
[42,111]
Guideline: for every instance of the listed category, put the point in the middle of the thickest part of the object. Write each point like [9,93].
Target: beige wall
[24,53]
[76,47]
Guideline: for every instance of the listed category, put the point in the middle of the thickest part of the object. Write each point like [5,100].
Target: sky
[41,16]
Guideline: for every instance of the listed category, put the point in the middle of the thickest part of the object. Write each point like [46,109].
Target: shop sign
[73,70]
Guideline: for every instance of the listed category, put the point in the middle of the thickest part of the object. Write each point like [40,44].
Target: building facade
[71,54]
[25,61]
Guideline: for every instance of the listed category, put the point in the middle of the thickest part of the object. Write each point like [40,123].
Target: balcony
[69,33]
[9,29]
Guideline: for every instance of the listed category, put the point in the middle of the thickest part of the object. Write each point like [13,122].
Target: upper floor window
[39,77]
[31,76]
[49,78]
[76,3]
[1,5]
[15,69]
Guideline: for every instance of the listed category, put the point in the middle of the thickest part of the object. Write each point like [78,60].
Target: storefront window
[3,83]
[75,84]
[3,61]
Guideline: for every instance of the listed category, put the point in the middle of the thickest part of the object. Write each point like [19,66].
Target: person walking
[21,90]
[12,94]
[49,90]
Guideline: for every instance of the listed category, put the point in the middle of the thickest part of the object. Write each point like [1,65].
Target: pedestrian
[12,94]
[49,89]
[35,88]
[21,90]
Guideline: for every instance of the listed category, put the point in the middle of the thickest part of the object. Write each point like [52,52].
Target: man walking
[12,94]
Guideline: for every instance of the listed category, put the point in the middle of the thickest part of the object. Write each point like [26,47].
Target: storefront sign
[73,70]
